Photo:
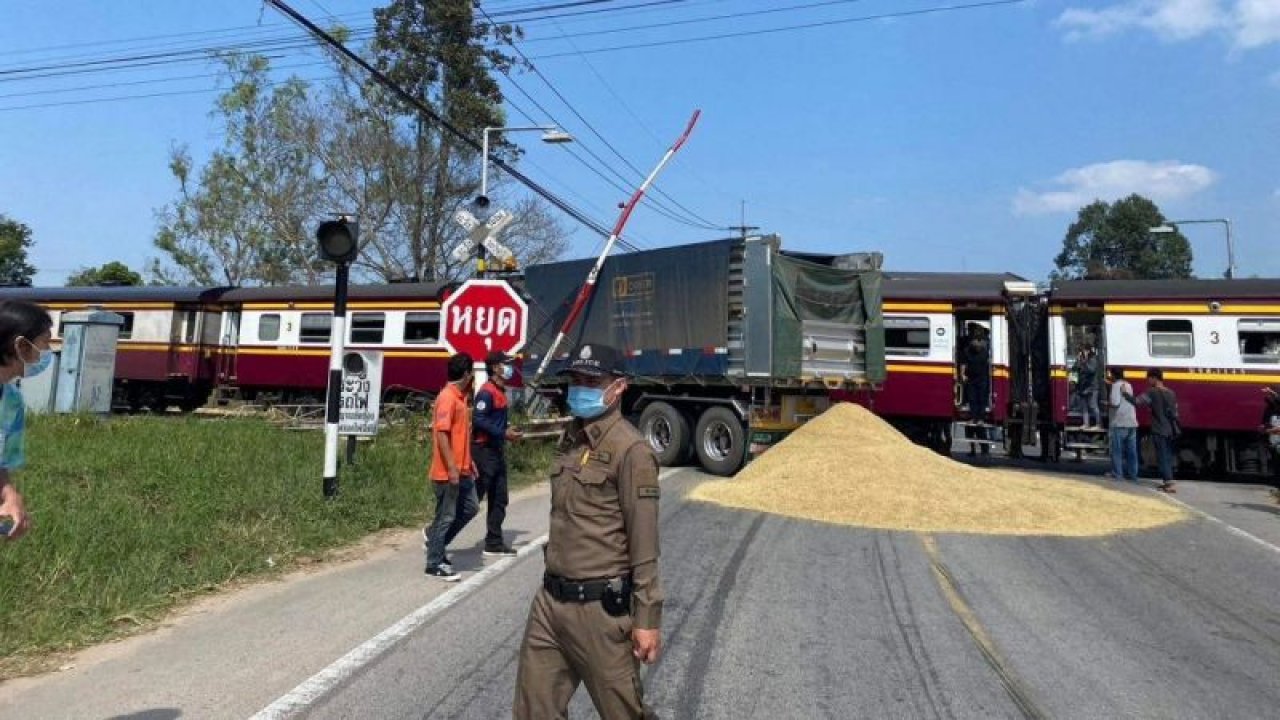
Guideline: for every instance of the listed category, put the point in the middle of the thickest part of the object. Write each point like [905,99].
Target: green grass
[134,514]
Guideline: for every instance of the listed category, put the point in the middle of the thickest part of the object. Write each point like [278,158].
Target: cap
[496,358]
[595,359]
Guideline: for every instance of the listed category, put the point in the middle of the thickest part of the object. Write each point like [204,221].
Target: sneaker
[444,572]
[504,551]
[1168,488]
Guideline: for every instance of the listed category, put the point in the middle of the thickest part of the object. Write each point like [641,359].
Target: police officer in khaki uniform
[597,615]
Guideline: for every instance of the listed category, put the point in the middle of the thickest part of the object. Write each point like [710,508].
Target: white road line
[315,687]
[1228,526]
[301,697]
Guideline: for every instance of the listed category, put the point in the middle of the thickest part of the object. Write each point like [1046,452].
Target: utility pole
[742,227]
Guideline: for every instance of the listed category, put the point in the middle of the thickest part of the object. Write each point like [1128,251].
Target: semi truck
[730,344]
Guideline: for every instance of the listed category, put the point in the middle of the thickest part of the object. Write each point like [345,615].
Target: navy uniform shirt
[490,417]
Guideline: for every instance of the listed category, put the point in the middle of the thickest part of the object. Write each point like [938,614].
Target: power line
[787,28]
[431,114]
[698,20]
[696,220]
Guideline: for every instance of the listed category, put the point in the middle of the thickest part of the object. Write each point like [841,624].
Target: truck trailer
[730,344]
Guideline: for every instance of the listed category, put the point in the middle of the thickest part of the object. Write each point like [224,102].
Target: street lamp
[339,242]
[550,134]
[1172,226]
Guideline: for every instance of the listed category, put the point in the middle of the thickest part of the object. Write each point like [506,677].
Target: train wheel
[667,432]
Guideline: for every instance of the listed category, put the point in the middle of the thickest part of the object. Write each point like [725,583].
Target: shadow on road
[1272,509]
[155,714]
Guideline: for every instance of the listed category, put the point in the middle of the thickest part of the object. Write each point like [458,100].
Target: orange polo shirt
[452,416]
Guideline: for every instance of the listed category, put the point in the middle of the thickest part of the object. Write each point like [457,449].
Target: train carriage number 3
[1214,338]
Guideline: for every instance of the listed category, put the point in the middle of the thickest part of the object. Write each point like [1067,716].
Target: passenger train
[1217,341]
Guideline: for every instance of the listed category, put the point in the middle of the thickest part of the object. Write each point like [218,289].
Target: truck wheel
[667,432]
[720,441]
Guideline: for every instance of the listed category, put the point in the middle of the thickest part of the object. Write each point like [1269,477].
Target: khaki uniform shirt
[604,511]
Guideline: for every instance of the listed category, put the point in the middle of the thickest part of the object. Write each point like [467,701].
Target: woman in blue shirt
[25,331]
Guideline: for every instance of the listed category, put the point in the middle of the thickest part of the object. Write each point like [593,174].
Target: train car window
[126,328]
[1260,341]
[1170,339]
[906,336]
[367,328]
[422,328]
[315,327]
[269,328]
[189,326]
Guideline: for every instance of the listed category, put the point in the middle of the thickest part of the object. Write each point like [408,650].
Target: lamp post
[338,242]
[1172,226]
[550,134]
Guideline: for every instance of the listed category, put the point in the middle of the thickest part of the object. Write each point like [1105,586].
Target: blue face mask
[31,370]
[507,372]
[586,402]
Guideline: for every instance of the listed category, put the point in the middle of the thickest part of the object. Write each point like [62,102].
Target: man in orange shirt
[452,472]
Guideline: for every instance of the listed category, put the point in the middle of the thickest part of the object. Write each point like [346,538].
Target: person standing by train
[1164,424]
[489,448]
[452,471]
[975,373]
[1087,388]
[1271,429]
[25,331]
[1123,427]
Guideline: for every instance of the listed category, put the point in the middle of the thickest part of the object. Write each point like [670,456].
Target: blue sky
[952,141]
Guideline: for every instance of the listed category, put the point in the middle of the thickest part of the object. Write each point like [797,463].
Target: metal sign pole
[337,340]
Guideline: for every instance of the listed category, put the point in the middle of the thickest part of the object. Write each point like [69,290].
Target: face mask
[507,372]
[586,402]
[30,370]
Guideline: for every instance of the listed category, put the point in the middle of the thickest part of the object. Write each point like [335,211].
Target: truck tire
[667,431]
[720,441]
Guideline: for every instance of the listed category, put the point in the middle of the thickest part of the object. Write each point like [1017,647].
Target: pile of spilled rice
[849,467]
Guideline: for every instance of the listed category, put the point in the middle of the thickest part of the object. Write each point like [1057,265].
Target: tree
[247,217]
[112,273]
[297,152]
[1114,241]
[15,241]
[446,57]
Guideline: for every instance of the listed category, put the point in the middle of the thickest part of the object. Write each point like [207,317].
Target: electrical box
[87,368]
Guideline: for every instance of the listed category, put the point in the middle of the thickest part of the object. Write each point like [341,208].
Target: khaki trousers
[568,643]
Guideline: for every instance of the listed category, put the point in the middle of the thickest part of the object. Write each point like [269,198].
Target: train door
[226,352]
[975,353]
[1085,359]
[974,344]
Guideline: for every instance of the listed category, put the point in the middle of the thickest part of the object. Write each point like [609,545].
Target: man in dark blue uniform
[489,439]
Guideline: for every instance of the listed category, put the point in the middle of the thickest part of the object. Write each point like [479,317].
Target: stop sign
[482,316]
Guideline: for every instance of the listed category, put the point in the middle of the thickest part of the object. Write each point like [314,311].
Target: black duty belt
[583,591]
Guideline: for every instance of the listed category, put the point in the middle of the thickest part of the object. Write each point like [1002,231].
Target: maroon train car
[1216,341]
[282,347]
[928,318]
[172,343]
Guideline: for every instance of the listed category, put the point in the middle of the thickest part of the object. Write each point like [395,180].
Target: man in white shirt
[1123,427]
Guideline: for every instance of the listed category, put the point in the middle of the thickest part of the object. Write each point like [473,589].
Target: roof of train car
[113,293]
[392,291]
[1165,289]
[945,285]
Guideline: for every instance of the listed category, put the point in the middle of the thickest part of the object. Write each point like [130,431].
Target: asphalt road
[769,617]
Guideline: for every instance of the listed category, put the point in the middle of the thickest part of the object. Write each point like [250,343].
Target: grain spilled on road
[849,467]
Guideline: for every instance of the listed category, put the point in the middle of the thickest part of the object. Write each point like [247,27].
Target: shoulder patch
[648,491]
[481,405]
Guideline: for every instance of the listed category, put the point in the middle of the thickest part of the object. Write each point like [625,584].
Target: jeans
[1089,408]
[455,506]
[1164,456]
[492,466]
[1124,453]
